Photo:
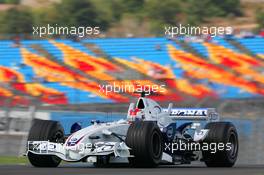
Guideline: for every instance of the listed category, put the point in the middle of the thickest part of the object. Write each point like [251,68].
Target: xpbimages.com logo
[80,31]
[188,30]
[196,146]
[131,88]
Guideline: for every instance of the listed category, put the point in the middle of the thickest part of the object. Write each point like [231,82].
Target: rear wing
[193,114]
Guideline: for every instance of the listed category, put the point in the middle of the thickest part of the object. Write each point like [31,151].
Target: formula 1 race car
[150,136]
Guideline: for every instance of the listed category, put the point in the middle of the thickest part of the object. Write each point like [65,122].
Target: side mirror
[170,107]
[106,132]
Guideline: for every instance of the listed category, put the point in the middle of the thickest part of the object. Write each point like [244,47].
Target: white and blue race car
[150,136]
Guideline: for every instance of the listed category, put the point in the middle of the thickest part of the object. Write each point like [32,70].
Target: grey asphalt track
[122,170]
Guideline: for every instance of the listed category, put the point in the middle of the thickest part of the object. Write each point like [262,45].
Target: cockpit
[145,109]
[150,104]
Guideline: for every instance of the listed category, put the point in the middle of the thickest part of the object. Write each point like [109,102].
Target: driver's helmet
[136,114]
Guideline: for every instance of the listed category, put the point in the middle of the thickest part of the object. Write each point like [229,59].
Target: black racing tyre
[45,130]
[146,143]
[221,132]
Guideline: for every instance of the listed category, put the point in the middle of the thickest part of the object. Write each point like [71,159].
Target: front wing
[79,151]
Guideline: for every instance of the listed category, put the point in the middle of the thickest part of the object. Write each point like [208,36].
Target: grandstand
[66,72]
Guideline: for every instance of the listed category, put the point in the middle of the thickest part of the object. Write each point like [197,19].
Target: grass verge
[13,160]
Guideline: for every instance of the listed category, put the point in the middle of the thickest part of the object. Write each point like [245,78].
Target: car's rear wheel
[145,140]
[45,130]
[221,133]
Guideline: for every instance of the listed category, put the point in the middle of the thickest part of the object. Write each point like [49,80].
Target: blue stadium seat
[151,49]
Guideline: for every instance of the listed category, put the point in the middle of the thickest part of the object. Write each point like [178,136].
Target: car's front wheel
[145,140]
[45,130]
